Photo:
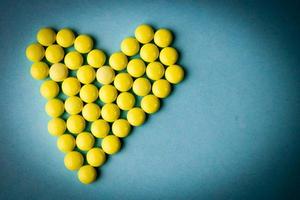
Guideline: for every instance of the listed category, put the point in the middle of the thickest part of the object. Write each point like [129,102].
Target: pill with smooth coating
[136,116]
[163,37]
[123,82]
[54,53]
[54,107]
[96,58]
[121,128]
[141,86]
[57,126]
[149,52]
[85,141]
[118,61]
[35,52]
[144,33]
[58,72]
[86,74]
[91,112]
[111,144]
[75,124]
[100,128]
[110,112]
[150,104]
[95,157]
[66,143]
[155,70]
[73,160]
[161,88]
[130,46]
[108,93]
[65,37]
[136,67]
[70,86]
[87,174]
[168,56]
[49,89]
[73,60]
[39,70]
[105,75]
[125,100]
[174,74]
[73,105]
[88,93]
[83,43]
[46,36]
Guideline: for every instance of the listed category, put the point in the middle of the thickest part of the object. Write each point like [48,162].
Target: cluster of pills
[98,101]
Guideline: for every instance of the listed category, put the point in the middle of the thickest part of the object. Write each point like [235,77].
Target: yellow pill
[91,112]
[121,128]
[144,33]
[65,143]
[86,74]
[168,56]
[49,89]
[136,116]
[75,124]
[105,75]
[111,144]
[161,88]
[123,82]
[155,71]
[125,100]
[46,36]
[141,86]
[73,105]
[95,157]
[96,58]
[73,160]
[54,53]
[110,112]
[149,52]
[136,67]
[54,107]
[174,74]
[118,61]
[73,60]
[100,128]
[108,93]
[35,52]
[83,43]
[65,37]
[130,46]
[39,70]
[56,126]
[58,72]
[87,174]
[88,93]
[85,141]
[150,104]
[71,86]
[163,37]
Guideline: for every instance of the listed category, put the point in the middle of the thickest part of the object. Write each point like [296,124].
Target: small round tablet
[121,128]
[95,157]
[123,82]
[54,53]
[130,46]
[58,72]
[144,33]
[163,37]
[56,126]
[85,141]
[86,74]
[100,128]
[46,36]
[105,75]
[39,70]
[65,143]
[174,74]
[73,60]
[73,160]
[65,37]
[110,112]
[125,100]
[136,67]
[54,107]
[35,52]
[87,174]
[149,52]
[141,86]
[83,43]
[91,112]
[168,56]
[150,104]
[75,124]
[96,58]
[71,86]
[73,105]
[161,88]
[155,70]
[111,144]
[136,116]
[118,61]
[108,93]
[49,89]
[88,93]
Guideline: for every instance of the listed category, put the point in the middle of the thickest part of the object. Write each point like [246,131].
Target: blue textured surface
[229,131]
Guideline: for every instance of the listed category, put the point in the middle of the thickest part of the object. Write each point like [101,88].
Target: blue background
[229,131]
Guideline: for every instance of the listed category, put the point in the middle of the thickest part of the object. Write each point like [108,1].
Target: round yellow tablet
[49,89]
[71,86]
[111,144]
[54,107]
[149,52]
[54,53]
[136,67]
[87,174]
[95,157]
[65,37]
[144,33]
[88,93]
[130,46]
[85,141]
[96,58]
[155,70]
[123,82]
[118,61]
[136,116]
[73,60]
[108,93]
[73,105]
[161,88]
[100,128]
[86,74]
[39,70]
[163,37]
[83,43]
[150,104]
[73,160]
[58,72]
[35,52]
[125,100]
[91,112]
[121,128]
[66,143]
[75,124]
[56,126]
[141,86]
[105,75]
[46,36]
[174,74]
[168,56]
[110,112]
